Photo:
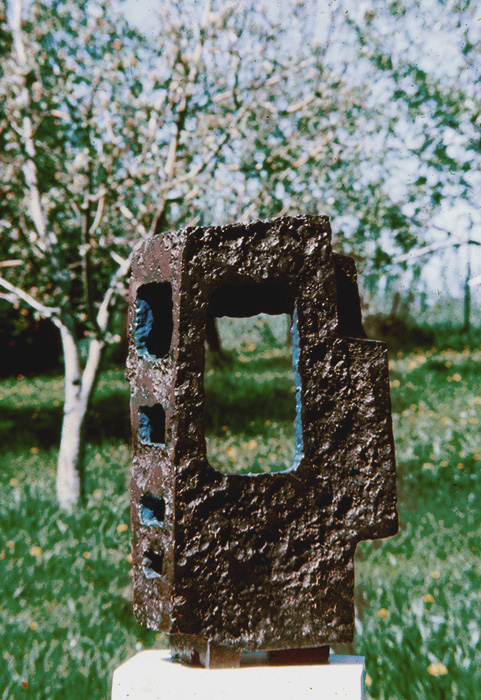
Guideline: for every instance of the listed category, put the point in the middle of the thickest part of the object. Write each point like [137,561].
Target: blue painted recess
[144,321]
[152,425]
[152,510]
[153,563]
[299,445]
[153,320]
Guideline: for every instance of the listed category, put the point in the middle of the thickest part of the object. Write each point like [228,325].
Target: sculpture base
[152,675]
[198,651]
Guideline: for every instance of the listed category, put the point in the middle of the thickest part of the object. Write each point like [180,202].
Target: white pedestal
[151,675]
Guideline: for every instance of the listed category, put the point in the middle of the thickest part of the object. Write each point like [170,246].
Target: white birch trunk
[68,477]
[78,390]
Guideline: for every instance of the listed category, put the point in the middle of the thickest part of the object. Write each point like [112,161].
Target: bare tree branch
[46,311]
[11,263]
[193,69]
[29,167]
[103,314]
[426,250]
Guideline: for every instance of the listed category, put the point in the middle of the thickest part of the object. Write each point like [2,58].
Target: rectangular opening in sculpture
[152,425]
[251,386]
[153,563]
[152,510]
[153,319]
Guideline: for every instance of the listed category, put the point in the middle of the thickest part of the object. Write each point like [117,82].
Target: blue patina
[144,321]
[152,511]
[147,517]
[145,427]
[148,571]
[299,446]
[153,563]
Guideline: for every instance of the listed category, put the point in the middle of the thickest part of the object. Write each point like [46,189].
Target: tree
[231,114]
[427,59]
[109,140]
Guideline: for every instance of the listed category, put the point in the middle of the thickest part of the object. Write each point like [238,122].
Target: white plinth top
[152,675]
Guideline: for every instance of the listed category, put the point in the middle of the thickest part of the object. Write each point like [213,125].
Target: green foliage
[421,588]
[427,59]
[66,605]
[236,114]
[250,403]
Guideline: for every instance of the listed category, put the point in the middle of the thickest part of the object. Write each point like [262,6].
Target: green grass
[428,577]
[65,610]
[66,616]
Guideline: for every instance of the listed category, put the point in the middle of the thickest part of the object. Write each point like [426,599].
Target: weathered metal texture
[245,563]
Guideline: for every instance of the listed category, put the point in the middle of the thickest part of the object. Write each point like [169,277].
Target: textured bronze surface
[259,562]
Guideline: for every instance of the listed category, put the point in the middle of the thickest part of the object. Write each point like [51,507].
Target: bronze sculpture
[231,563]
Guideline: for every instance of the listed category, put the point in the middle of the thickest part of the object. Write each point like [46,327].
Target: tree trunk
[78,389]
[68,475]
[467,293]
[213,339]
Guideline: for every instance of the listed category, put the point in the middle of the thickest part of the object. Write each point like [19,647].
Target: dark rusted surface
[294,657]
[264,562]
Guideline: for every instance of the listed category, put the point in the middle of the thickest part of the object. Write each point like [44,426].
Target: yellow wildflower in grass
[34,450]
[435,574]
[33,626]
[428,598]
[368,680]
[445,420]
[128,558]
[251,445]
[443,463]
[231,453]
[437,669]
[123,527]
[10,544]
[86,555]
[395,383]
[13,482]
[36,551]
[383,613]
[460,465]
[456,377]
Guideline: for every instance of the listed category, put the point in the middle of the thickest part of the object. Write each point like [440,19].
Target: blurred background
[120,120]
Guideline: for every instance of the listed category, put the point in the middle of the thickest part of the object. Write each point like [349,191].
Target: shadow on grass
[29,426]
[237,404]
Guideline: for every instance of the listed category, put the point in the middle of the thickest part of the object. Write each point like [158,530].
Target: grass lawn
[66,620]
